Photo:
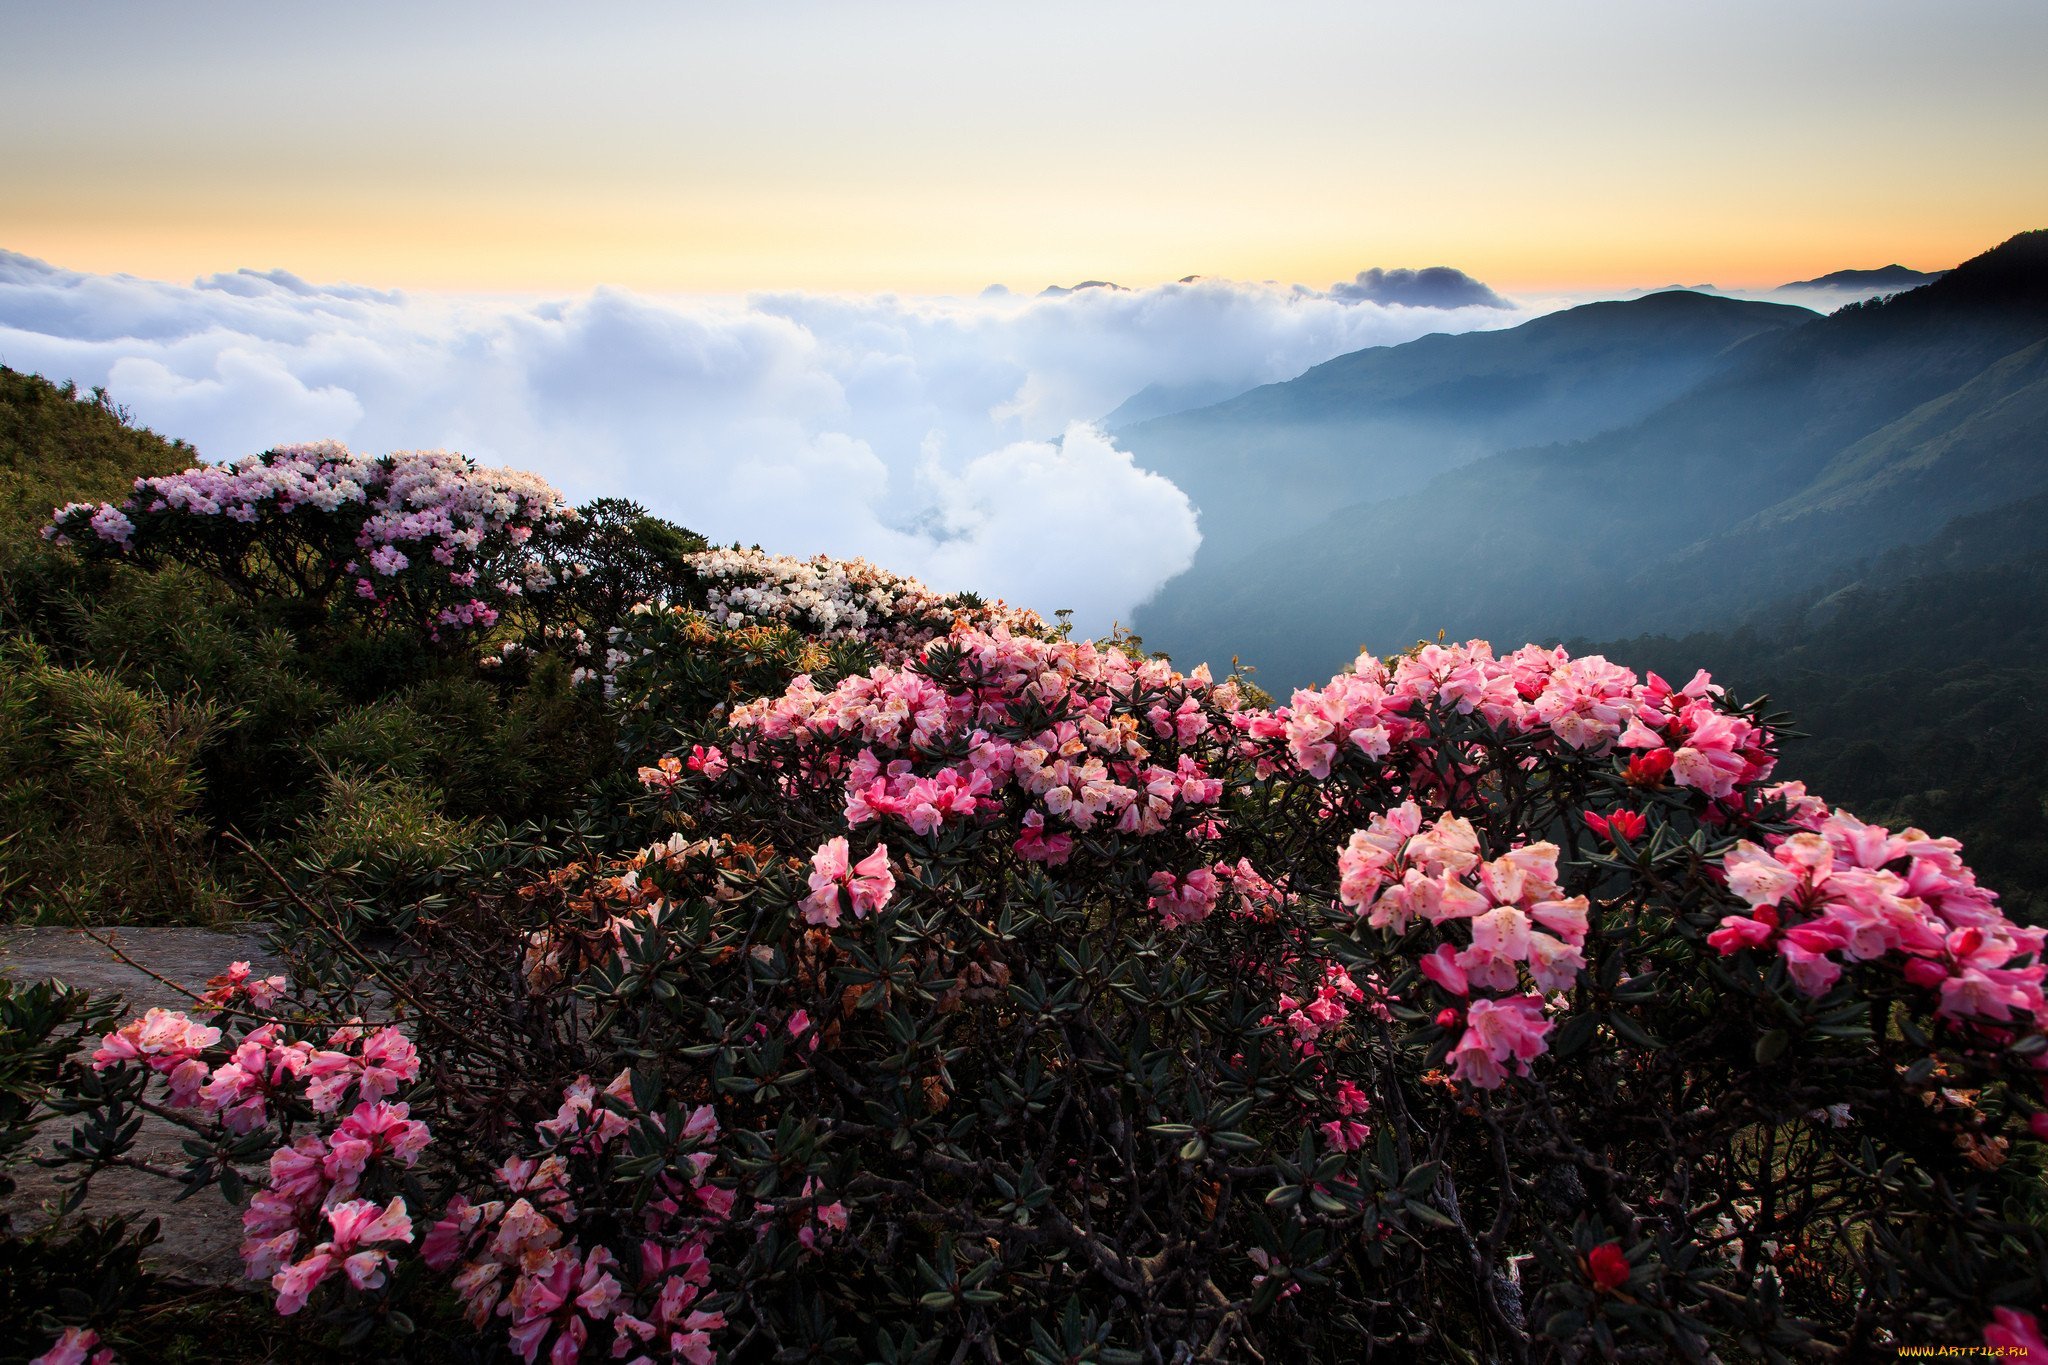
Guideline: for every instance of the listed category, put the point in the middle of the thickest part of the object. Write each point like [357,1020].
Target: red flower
[1649,769]
[1623,824]
[1608,1265]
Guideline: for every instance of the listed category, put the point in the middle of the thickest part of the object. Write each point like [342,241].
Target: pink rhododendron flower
[1840,892]
[358,1225]
[160,1039]
[1499,1035]
[868,883]
[238,984]
[1035,845]
[1621,825]
[1181,901]
[76,1347]
[821,1221]
[1442,967]
[2016,1332]
[388,1060]
[1344,1135]
[1607,1267]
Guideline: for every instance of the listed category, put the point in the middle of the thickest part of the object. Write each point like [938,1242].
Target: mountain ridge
[1382,421]
[1641,526]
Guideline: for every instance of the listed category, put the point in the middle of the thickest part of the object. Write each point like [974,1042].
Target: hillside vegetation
[147,713]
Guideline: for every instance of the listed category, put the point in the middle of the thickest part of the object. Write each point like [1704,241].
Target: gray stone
[201,1235]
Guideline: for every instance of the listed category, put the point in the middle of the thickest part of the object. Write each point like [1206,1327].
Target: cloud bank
[946,438]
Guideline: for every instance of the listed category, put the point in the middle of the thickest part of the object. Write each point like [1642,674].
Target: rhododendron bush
[1014,997]
[736,624]
[420,538]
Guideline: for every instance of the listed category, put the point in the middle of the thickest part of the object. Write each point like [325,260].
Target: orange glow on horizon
[530,252]
[927,149]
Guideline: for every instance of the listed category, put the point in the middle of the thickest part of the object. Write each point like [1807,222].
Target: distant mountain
[1802,451]
[1381,422]
[1885,278]
[1164,400]
[1054,291]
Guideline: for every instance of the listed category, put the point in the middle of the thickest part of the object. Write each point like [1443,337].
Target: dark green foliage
[100,798]
[629,556]
[147,710]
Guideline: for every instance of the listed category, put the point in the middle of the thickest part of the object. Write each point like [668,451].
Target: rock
[201,1235]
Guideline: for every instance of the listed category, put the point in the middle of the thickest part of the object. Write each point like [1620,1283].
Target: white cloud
[945,438]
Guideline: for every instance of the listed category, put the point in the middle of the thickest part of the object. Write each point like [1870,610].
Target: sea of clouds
[955,439]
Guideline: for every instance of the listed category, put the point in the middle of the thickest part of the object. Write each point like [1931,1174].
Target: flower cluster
[414,531]
[1011,961]
[76,1346]
[1840,892]
[867,884]
[309,1199]
[1588,705]
[520,1257]
[314,1175]
[1074,737]
[1515,920]
[1330,1006]
[357,1247]
[168,1043]
[240,988]
[838,599]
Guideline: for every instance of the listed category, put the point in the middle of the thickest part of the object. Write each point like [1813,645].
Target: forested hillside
[145,713]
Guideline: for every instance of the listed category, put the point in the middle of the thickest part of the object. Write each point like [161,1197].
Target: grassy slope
[59,446]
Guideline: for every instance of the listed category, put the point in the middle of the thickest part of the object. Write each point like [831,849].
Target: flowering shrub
[610,556]
[839,599]
[423,538]
[1026,996]
[744,623]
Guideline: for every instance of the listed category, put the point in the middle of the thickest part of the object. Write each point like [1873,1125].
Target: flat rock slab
[200,1236]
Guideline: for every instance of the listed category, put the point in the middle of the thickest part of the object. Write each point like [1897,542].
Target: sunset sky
[940,147]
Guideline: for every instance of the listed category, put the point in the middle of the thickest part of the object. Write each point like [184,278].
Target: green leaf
[1426,1214]
[1575,1034]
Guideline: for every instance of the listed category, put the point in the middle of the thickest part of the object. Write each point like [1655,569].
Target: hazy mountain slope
[1619,532]
[1971,449]
[1916,688]
[1164,400]
[1381,422]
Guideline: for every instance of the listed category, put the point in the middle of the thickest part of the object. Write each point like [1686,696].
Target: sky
[940,147]
[774,269]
